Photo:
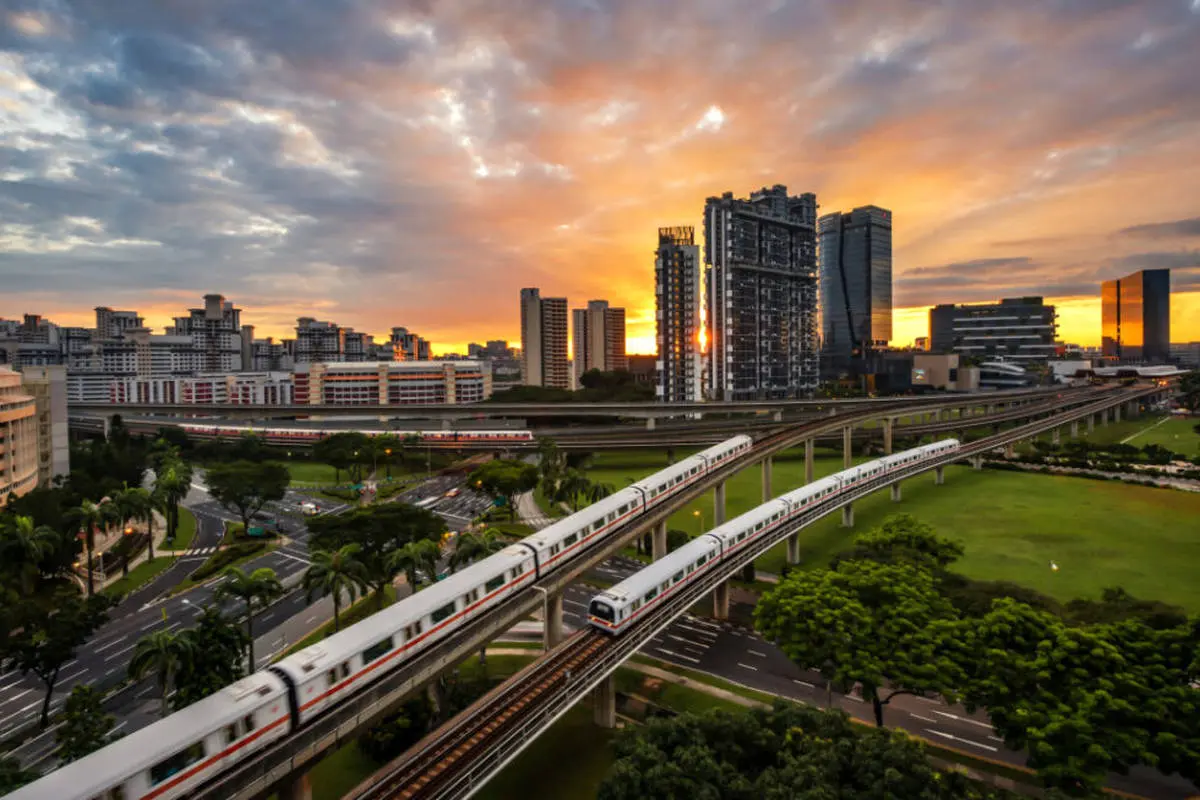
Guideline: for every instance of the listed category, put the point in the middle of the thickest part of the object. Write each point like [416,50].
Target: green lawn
[1100,533]
[1175,434]
[314,473]
[139,576]
[336,774]
[549,507]
[183,534]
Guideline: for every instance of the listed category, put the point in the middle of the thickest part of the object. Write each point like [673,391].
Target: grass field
[1011,524]
[1175,434]
[183,534]
[139,576]
[314,473]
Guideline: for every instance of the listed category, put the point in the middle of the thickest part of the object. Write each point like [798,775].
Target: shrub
[226,557]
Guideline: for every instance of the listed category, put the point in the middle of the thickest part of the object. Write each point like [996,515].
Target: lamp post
[700,514]
[388,452]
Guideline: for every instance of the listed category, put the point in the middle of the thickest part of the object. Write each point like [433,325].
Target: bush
[226,557]
[397,732]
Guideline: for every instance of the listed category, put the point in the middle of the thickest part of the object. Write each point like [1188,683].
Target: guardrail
[559,690]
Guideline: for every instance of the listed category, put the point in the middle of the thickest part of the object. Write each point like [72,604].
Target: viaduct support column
[847,452]
[1104,417]
[939,476]
[721,600]
[896,492]
[604,703]
[650,423]
[808,460]
[719,504]
[1091,423]
[1010,450]
[766,479]
[552,616]
[1056,436]
[977,462]
[848,515]
[793,549]
[297,787]
[659,541]
[1116,414]
[888,424]
[1074,429]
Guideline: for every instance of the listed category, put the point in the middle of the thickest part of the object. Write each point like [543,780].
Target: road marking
[931,700]
[803,683]
[930,720]
[855,698]
[19,713]
[703,623]
[964,719]
[294,558]
[995,738]
[311,619]
[113,643]
[18,696]
[756,653]
[964,741]
[673,654]
[702,645]
[574,603]
[709,634]
[747,666]
[117,727]
[82,670]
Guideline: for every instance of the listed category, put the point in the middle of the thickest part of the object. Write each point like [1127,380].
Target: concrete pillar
[888,424]
[766,479]
[659,548]
[793,549]
[650,423]
[107,427]
[1116,414]
[604,703]
[719,504]
[447,424]
[296,787]
[1056,436]
[1091,419]
[721,600]
[991,408]
[808,460]
[1104,417]
[847,452]
[939,476]
[896,492]
[552,615]
[848,515]
[1074,429]
[1010,450]
[977,462]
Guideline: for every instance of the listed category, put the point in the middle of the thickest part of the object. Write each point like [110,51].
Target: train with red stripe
[176,755]
[298,437]
[620,606]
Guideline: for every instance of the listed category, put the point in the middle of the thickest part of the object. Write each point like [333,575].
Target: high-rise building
[678,319]
[112,325]
[408,346]
[319,342]
[856,283]
[215,331]
[544,340]
[1135,314]
[599,338]
[48,387]
[1017,329]
[18,437]
[761,258]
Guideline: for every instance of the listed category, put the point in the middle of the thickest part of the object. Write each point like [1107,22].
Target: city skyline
[152,156]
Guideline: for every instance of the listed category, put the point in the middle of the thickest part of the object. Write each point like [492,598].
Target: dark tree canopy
[85,724]
[507,479]
[244,487]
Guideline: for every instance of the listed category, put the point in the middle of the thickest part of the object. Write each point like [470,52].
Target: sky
[418,163]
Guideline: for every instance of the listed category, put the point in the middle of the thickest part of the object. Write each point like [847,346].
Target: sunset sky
[417,163]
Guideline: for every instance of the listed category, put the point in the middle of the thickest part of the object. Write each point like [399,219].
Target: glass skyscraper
[856,283]
[1135,317]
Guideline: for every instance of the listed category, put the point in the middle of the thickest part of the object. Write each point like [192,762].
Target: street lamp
[388,452]
[700,514]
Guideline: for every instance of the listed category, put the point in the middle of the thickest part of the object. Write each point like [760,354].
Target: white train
[618,607]
[174,756]
[307,436]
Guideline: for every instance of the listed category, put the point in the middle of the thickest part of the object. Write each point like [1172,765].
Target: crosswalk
[200,551]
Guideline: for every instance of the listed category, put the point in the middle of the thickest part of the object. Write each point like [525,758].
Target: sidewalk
[530,513]
[112,540]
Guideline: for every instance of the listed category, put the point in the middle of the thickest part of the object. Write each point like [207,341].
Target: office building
[1135,314]
[856,283]
[392,383]
[761,273]
[18,437]
[678,318]
[599,338]
[1186,355]
[1019,330]
[48,387]
[215,332]
[544,340]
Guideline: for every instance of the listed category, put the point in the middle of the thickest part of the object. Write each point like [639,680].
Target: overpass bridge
[457,759]
[281,766]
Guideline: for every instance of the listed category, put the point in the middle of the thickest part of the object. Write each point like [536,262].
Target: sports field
[1174,433]
[1012,525]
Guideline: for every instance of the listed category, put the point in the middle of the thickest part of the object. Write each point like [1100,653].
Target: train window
[440,614]
[602,610]
[470,597]
[554,549]
[665,585]
[678,576]
[650,595]
[701,560]
[572,539]
[376,650]
[231,734]
[494,584]
[176,763]
[248,722]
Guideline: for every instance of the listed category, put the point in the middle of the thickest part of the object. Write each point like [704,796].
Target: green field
[1012,525]
[1175,434]
[139,576]
[315,473]
[183,534]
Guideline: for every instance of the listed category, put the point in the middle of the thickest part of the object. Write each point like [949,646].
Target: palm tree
[598,491]
[388,445]
[335,572]
[414,557]
[141,505]
[24,546]
[259,586]
[89,516]
[572,485]
[163,653]
[470,547]
[123,509]
[171,484]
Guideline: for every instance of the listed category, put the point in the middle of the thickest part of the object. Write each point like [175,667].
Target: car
[309,509]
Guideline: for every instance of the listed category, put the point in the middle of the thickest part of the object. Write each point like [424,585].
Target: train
[619,607]
[174,756]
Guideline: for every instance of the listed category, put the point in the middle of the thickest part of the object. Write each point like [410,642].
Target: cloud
[392,162]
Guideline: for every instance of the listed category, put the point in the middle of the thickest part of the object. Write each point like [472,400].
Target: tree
[470,547]
[340,451]
[13,776]
[598,491]
[884,626]
[415,558]
[141,505]
[571,486]
[85,724]
[333,573]
[172,483]
[25,550]
[379,530]
[783,752]
[397,732]
[244,487]
[260,586]
[126,505]
[217,646]
[164,654]
[51,632]
[387,446]
[505,479]
[89,516]
[904,539]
